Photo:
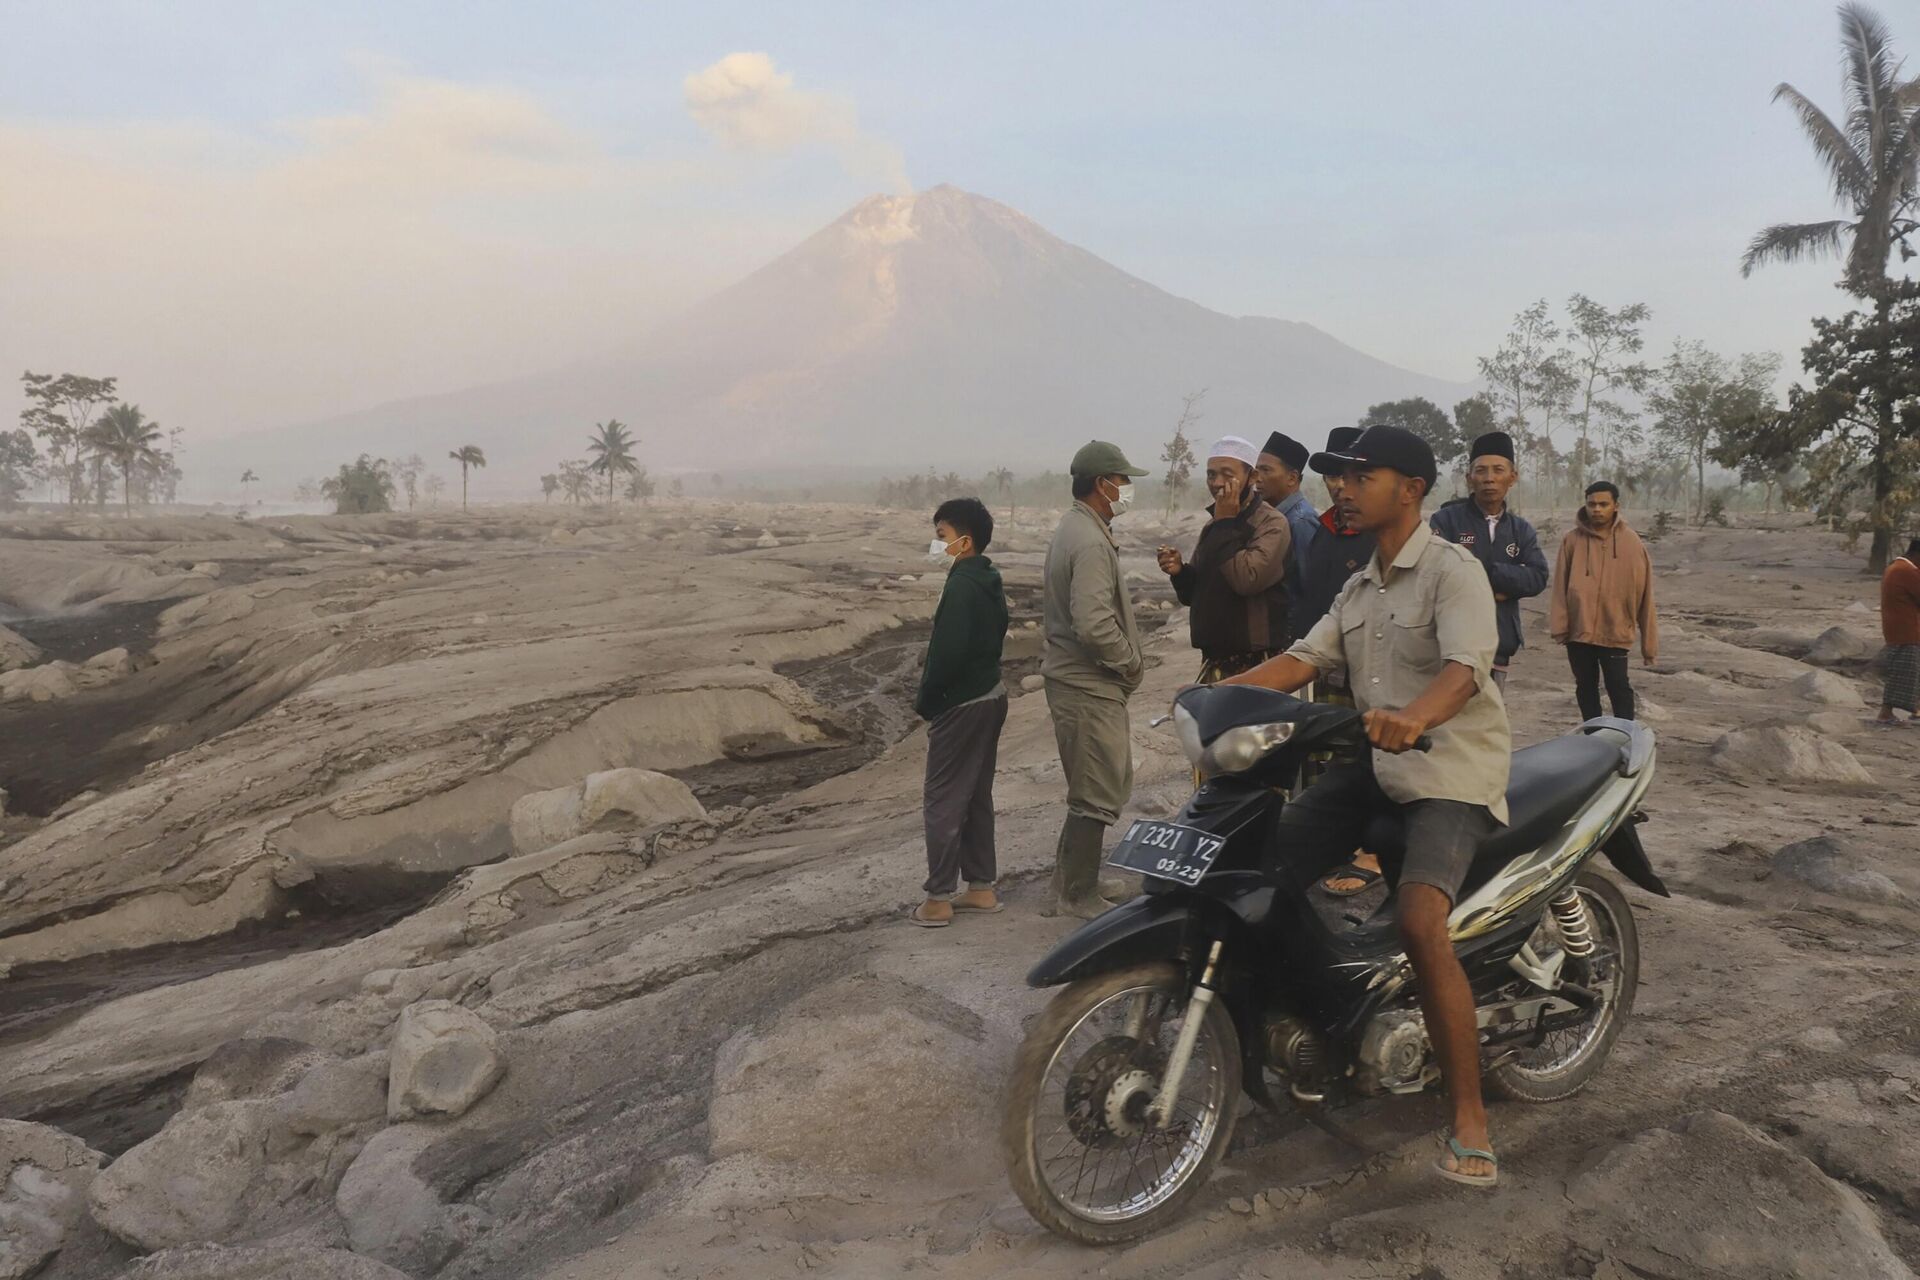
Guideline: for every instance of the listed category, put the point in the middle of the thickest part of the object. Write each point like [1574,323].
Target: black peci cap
[1382,446]
[1494,444]
[1287,449]
[1338,440]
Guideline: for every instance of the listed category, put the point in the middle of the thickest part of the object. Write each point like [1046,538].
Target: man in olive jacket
[965,704]
[1092,664]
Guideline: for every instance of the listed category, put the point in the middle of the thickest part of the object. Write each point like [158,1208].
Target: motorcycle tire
[1520,1083]
[1019,1133]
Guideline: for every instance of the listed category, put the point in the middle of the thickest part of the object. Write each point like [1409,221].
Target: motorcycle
[1125,1092]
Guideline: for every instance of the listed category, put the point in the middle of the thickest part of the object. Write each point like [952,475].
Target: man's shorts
[1323,826]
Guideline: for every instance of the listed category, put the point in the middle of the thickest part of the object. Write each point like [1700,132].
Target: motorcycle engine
[1297,1050]
[1393,1053]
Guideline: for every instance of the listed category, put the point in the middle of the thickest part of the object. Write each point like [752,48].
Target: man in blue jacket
[1504,543]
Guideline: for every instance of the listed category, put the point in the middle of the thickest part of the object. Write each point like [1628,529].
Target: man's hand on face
[1170,562]
[1227,505]
[1393,731]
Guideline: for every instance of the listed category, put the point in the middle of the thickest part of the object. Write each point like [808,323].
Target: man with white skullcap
[1235,583]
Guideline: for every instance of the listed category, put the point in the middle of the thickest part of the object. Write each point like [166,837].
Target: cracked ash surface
[289,819]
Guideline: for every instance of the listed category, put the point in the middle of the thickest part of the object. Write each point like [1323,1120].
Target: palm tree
[1002,480]
[467,455]
[125,437]
[612,451]
[1873,161]
[247,477]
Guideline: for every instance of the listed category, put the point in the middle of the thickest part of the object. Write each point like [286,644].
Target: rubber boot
[1076,869]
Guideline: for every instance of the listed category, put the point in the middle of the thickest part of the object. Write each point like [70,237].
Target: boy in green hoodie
[965,705]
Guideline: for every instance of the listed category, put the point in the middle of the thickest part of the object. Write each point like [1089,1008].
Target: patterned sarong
[1902,665]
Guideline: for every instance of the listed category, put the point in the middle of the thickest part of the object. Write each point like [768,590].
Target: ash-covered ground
[275,784]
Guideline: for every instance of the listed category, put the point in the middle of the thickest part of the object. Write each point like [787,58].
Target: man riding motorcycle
[1416,634]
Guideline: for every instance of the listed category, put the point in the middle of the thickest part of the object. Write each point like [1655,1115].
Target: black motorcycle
[1124,1094]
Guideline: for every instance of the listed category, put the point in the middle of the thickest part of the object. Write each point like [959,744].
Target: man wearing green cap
[1092,665]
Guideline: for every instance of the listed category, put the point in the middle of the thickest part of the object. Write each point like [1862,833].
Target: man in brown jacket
[1900,627]
[1234,583]
[1602,593]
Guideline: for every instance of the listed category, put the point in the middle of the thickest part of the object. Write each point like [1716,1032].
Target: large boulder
[44,1176]
[252,1067]
[1829,864]
[444,1059]
[390,1211]
[38,684]
[614,798]
[1731,1202]
[1827,689]
[191,1183]
[1838,644]
[16,650]
[260,1262]
[1786,753]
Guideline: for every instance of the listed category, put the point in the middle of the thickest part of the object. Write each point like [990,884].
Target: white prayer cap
[1237,448]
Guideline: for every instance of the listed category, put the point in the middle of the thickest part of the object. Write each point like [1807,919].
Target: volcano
[939,329]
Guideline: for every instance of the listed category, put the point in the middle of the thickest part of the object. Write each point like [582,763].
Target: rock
[254,1067]
[1733,1202]
[1032,684]
[766,539]
[1240,1205]
[3,802]
[390,1211]
[1859,606]
[1834,724]
[1828,863]
[16,651]
[1837,644]
[907,577]
[189,1183]
[1645,708]
[44,1177]
[260,1262]
[38,684]
[611,799]
[111,664]
[1789,753]
[206,569]
[337,1094]
[444,1059]
[1826,687]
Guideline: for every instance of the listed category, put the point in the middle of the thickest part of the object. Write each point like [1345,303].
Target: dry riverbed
[330,818]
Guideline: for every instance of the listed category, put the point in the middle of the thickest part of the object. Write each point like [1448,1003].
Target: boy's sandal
[926,922]
[1352,871]
[1463,1154]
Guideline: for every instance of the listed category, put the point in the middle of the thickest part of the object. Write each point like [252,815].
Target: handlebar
[1423,743]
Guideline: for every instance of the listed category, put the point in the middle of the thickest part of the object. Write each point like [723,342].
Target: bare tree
[1178,455]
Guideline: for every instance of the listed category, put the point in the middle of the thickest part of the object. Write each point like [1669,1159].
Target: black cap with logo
[1379,445]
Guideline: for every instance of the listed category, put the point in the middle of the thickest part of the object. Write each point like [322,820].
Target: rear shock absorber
[1575,925]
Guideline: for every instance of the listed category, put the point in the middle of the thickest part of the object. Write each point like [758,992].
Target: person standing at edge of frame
[1602,593]
[1234,586]
[1900,629]
[1501,541]
[965,704]
[1092,663]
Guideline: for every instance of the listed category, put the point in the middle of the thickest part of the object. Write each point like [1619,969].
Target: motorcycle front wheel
[1081,1151]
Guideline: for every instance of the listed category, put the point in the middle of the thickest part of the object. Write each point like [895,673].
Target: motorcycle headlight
[1238,750]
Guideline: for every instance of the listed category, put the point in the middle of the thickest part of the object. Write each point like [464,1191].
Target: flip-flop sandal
[914,917]
[1461,1155]
[1351,871]
[960,910]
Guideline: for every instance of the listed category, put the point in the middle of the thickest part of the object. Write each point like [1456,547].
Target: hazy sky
[258,213]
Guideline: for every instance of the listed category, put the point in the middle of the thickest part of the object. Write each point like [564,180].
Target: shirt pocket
[1413,635]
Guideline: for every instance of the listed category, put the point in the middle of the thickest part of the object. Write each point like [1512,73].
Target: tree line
[77,438]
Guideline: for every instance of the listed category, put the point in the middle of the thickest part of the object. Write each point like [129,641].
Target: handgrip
[1423,743]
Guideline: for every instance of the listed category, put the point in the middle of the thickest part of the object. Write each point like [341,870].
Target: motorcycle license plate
[1167,851]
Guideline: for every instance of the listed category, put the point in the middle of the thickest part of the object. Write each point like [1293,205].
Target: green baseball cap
[1098,458]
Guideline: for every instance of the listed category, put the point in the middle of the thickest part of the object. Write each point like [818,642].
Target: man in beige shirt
[1416,634]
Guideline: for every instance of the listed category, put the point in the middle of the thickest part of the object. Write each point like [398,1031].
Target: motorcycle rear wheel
[1569,1059]
[1065,1099]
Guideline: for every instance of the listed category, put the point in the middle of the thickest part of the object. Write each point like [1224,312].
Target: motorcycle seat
[1549,783]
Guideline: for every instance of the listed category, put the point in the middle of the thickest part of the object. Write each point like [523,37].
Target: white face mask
[937,551]
[1122,498]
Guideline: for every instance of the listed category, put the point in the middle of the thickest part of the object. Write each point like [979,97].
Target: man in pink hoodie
[1602,593]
